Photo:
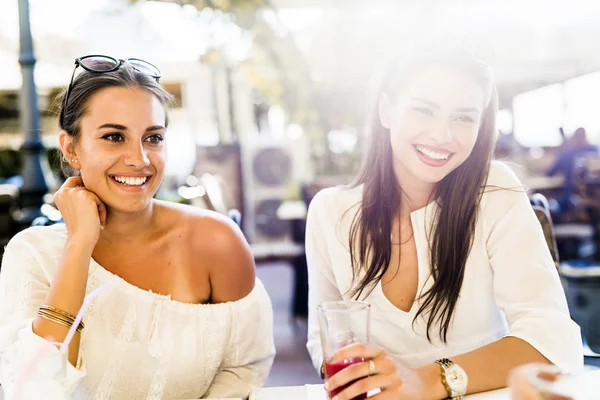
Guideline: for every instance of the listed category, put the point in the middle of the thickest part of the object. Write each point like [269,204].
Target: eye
[424,111]
[113,137]
[464,118]
[155,139]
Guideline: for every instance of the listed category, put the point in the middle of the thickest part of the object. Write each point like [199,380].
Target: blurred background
[271,100]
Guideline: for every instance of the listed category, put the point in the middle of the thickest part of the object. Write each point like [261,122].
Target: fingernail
[326,385]
[335,398]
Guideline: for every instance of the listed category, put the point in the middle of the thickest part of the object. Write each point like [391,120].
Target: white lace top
[136,344]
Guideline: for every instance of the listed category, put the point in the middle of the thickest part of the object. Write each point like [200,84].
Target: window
[539,115]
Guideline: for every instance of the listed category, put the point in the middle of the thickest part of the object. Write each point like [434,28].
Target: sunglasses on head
[99,64]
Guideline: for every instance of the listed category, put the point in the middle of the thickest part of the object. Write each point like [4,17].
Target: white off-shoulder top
[136,344]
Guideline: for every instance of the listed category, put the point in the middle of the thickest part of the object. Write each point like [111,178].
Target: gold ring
[371,367]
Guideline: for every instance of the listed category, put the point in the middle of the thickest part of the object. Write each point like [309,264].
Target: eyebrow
[429,103]
[113,126]
[437,107]
[467,109]
[155,128]
[124,128]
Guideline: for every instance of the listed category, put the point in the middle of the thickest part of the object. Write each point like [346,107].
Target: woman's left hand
[395,381]
[524,382]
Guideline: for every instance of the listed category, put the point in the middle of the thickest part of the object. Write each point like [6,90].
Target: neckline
[150,296]
[387,304]
[147,295]
[425,208]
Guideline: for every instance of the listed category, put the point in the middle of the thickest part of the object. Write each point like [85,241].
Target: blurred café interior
[270,108]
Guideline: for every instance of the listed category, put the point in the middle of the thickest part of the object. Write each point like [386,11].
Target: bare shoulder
[215,244]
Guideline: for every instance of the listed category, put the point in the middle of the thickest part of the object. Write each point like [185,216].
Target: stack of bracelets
[58,316]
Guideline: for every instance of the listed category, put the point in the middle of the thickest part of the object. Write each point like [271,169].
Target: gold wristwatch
[454,378]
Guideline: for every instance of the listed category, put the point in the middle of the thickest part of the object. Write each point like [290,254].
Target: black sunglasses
[100,64]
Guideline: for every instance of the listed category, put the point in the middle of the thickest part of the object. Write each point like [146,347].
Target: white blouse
[510,288]
[136,344]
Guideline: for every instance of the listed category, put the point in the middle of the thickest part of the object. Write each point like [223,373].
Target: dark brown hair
[458,194]
[86,84]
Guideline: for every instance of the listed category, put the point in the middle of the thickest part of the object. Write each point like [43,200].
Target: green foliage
[279,72]
[11,161]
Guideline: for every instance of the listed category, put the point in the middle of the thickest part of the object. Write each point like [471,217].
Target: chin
[431,177]
[130,206]
[434,174]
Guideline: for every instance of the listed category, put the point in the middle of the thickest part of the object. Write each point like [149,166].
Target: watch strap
[446,363]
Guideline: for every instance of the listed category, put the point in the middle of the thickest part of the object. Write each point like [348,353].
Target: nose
[136,156]
[441,133]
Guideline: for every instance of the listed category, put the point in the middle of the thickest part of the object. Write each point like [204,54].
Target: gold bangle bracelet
[59,322]
[59,311]
[56,316]
[58,319]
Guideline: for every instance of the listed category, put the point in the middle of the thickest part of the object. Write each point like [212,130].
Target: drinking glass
[40,377]
[342,323]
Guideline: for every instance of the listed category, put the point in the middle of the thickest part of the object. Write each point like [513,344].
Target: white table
[582,387]
[316,392]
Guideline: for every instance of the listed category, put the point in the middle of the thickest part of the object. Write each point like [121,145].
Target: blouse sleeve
[321,281]
[23,287]
[250,347]
[526,283]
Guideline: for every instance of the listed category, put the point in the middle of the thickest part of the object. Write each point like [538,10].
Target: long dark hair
[458,194]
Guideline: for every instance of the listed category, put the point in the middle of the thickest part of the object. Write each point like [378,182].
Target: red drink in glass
[343,323]
[335,367]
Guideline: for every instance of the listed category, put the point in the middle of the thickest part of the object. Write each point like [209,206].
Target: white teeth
[432,154]
[131,181]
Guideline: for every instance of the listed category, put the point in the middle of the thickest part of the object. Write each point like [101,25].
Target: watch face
[456,377]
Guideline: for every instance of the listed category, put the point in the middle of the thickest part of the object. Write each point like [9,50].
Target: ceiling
[529,43]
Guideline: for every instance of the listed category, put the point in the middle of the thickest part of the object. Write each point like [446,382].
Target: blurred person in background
[578,145]
[187,317]
[441,241]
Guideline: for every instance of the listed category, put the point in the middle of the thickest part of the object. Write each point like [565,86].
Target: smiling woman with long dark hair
[441,240]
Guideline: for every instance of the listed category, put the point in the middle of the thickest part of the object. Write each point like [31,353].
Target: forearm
[67,293]
[487,367]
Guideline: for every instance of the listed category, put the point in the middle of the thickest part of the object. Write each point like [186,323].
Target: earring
[74,160]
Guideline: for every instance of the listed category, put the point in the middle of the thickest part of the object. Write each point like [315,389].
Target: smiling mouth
[130,181]
[434,155]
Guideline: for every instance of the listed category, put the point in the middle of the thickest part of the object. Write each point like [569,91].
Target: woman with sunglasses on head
[187,317]
[440,240]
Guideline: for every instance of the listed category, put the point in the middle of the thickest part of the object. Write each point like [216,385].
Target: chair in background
[215,200]
[8,200]
[577,230]
[587,183]
[542,212]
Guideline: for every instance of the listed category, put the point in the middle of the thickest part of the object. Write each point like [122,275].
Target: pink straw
[86,303]
[31,367]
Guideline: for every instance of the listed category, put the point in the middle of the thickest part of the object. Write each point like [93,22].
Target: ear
[67,148]
[384,110]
